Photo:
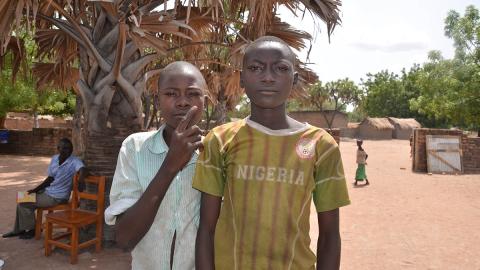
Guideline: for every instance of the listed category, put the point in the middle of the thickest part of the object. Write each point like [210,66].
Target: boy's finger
[185,122]
[194,138]
[196,145]
[193,131]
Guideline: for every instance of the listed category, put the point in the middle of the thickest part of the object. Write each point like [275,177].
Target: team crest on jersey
[305,148]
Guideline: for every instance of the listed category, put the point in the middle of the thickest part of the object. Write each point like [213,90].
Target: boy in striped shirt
[152,202]
[268,168]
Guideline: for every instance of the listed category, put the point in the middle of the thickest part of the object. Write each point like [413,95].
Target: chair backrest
[99,196]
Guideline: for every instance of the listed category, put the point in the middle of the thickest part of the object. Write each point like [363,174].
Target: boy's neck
[167,134]
[275,118]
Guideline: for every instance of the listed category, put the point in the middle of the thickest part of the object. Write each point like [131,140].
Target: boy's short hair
[265,39]
[178,66]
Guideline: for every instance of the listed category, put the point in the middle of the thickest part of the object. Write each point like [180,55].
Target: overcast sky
[379,34]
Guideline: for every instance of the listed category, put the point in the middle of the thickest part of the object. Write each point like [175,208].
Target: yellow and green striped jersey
[267,179]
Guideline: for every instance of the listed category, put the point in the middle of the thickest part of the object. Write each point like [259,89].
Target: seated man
[54,190]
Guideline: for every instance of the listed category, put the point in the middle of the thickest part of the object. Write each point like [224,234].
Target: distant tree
[385,95]
[335,95]
[465,32]
[357,114]
[450,88]
[316,99]
[342,93]
[389,95]
[318,96]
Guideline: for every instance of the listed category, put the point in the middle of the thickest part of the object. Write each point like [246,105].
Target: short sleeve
[330,190]
[209,177]
[126,190]
[78,164]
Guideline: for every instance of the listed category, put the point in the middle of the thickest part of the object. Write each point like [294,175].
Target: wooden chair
[39,225]
[73,219]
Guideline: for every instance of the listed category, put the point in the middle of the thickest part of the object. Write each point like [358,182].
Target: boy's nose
[183,102]
[268,76]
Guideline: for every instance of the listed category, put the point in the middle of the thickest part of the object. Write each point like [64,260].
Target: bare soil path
[403,220]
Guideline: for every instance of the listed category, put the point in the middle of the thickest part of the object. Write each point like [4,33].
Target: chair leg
[38,223]
[74,246]
[48,236]
[99,230]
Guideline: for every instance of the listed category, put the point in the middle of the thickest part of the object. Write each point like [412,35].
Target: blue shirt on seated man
[54,190]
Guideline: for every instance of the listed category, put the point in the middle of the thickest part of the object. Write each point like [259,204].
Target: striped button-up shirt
[140,158]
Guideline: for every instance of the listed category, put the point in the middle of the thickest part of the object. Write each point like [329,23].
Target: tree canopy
[450,88]
[441,92]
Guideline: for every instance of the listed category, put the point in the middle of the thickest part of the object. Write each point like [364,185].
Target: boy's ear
[295,78]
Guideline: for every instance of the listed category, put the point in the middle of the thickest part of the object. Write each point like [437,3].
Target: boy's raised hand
[185,140]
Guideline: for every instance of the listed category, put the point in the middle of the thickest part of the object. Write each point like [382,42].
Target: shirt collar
[57,159]
[156,143]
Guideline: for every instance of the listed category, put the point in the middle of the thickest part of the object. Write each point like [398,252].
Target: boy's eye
[283,68]
[194,94]
[170,94]
[255,68]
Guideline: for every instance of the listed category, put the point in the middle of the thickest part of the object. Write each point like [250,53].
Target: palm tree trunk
[108,111]
[78,134]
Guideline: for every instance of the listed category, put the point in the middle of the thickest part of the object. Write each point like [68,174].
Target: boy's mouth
[268,92]
[180,113]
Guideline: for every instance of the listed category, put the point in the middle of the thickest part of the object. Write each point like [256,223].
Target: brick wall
[470,149]
[38,141]
[471,154]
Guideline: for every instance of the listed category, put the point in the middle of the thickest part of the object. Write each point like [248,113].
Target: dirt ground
[403,220]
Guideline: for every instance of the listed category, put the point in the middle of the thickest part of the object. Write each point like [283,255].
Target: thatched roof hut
[350,131]
[375,129]
[403,127]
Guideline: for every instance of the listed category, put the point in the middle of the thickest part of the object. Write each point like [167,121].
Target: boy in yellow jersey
[268,168]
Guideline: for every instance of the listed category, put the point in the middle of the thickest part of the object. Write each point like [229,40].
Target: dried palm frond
[55,44]
[145,32]
[55,75]
[232,83]
[327,10]
[293,37]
